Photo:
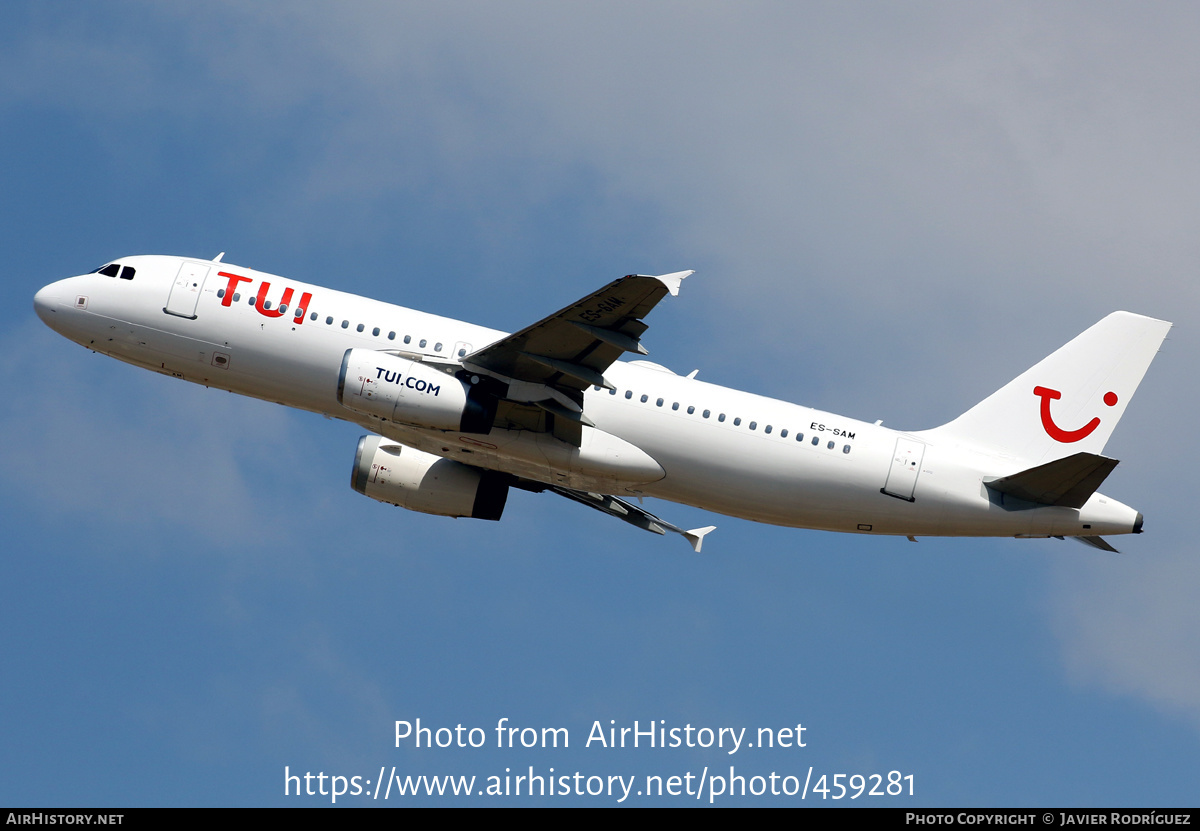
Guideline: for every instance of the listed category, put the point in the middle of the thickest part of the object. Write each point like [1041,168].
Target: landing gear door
[185,293]
[906,467]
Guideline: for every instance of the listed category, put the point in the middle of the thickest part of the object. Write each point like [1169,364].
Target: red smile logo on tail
[1057,433]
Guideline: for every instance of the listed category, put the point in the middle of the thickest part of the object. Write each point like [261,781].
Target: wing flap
[576,373]
[622,341]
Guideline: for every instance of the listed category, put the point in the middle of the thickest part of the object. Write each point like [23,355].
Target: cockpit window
[115,269]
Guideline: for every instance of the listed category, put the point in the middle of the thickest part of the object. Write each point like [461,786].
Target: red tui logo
[1057,433]
[261,304]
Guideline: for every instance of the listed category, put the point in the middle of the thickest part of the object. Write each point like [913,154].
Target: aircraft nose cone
[45,303]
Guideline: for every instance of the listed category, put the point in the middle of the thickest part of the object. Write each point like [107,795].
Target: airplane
[458,414]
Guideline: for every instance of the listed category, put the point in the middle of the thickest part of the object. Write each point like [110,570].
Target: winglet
[696,535]
[673,281]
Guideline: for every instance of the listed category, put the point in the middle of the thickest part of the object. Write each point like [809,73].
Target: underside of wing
[623,510]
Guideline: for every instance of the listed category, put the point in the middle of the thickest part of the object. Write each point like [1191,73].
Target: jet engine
[396,389]
[413,479]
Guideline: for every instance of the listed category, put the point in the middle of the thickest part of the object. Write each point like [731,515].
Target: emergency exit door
[906,467]
[185,292]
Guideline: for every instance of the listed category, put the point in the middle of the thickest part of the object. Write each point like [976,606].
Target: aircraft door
[185,292]
[906,467]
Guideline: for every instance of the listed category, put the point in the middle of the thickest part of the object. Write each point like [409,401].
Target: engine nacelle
[413,479]
[396,389]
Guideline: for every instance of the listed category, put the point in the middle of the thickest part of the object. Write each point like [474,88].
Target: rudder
[1071,401]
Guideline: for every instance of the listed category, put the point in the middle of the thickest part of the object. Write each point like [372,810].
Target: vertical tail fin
[1070,401]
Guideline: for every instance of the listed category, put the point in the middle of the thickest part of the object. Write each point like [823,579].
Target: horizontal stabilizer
[1067,482]
[1097,542]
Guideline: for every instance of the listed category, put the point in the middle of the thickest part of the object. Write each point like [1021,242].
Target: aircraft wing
[571,349]
[547,366]
[623,510]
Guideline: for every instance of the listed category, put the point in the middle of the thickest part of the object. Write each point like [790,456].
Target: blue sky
[892,210]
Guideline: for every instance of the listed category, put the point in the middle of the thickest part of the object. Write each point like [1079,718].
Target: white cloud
[106,445]
[1133,627]
[946,174]
[959,189]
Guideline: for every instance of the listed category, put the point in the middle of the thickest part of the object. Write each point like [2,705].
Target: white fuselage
[718,449]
